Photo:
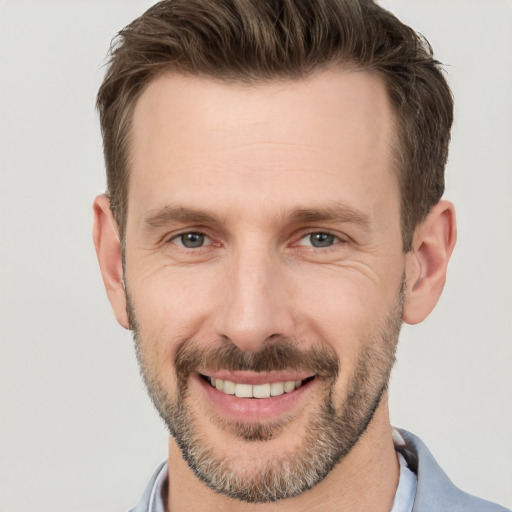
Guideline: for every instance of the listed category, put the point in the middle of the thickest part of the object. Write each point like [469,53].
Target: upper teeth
[254,391]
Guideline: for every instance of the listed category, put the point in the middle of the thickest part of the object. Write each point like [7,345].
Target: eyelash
[178,239]
[336,239]
[180,236]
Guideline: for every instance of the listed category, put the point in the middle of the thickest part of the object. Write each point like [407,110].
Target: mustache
[276,355]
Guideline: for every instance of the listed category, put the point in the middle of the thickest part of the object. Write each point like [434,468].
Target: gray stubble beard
[329,436]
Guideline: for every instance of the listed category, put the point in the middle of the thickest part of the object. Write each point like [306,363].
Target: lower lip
[253,409]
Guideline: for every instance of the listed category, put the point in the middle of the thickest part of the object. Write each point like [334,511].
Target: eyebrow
[338,212]
[169,214]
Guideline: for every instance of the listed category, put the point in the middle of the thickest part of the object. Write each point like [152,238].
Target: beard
[331,431]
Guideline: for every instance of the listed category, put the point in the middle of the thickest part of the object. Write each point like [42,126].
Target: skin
[251,157]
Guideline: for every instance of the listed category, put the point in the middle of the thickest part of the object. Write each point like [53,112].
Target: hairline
[397,135]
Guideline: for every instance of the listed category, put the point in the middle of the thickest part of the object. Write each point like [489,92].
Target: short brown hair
[263,40]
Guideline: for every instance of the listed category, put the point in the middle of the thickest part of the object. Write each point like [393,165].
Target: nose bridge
[254,306]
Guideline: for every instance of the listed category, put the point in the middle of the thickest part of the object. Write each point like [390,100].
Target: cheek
[342,304]
[170,307]
[347,311]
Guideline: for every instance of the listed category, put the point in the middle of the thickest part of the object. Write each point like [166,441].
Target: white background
[77,432]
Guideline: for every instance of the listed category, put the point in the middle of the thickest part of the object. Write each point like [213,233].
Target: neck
[365,480]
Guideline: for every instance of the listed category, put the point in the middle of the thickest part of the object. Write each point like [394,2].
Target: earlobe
[108,251]
[427,263]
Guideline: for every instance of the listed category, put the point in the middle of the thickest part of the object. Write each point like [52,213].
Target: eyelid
[175,237]
[304,234]
[209,240]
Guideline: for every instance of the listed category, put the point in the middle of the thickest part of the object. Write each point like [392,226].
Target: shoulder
[435,491]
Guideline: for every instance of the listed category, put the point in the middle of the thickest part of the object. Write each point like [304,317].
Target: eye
[191,240]
[319,240]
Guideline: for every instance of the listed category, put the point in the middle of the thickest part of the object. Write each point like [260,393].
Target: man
[275,172]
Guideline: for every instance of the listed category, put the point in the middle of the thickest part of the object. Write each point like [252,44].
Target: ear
[426,264]
[108,249]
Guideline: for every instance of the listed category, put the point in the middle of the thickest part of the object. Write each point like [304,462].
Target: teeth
[289,386]
[256,391]
[243,390]
[276,388]
[229,387]
[261,391]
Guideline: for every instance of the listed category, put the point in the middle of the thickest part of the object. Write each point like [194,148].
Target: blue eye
[319,240]
[191,240]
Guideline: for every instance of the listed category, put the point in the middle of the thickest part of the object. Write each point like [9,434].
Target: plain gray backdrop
[77,432]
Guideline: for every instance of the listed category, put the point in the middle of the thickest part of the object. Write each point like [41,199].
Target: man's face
[264,258]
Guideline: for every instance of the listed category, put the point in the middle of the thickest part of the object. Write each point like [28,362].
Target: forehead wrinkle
[268,144]
[261,141]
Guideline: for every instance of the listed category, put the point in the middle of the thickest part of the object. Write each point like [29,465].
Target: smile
[247,396]
[265,390]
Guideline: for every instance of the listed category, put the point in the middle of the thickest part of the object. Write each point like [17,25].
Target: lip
[251,410]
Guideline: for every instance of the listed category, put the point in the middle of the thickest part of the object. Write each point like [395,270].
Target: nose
[254,305]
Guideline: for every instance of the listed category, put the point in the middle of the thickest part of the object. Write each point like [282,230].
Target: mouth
[258,391]
[252,397]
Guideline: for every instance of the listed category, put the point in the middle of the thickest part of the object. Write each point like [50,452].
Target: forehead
[196,139]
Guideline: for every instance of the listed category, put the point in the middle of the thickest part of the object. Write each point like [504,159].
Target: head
[273,214]
[264,41]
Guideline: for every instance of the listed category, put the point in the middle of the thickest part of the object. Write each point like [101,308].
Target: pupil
[192,240]
[321,239]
